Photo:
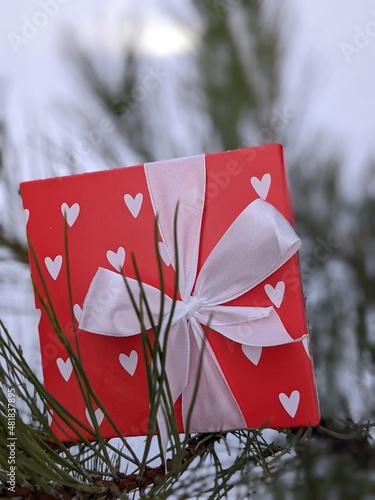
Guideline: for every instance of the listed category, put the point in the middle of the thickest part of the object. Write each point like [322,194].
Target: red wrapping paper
[110,216]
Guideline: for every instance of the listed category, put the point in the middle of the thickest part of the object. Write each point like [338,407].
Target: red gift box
[232,226]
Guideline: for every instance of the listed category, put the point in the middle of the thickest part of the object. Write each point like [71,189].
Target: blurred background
[91,87]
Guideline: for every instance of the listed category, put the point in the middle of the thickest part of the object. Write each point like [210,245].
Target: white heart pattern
[71,213]
[65,368]
[262,186]
[253,353]
[53,265]
[27,214]
[99,415]
[134,204]
[275,294]
[129,363]
[163,253]
[290,403]
[77,310]
[116,259]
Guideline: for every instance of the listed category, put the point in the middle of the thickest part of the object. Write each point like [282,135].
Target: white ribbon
[257,243]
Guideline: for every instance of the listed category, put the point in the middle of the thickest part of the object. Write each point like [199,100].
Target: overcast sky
[331,41]
[334,41]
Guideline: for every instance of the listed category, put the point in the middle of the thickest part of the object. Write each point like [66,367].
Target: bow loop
[257,243]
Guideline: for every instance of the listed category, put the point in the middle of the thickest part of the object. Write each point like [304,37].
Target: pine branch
[113,488]
[349,438]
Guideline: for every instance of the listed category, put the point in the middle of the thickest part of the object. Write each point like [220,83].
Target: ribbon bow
[257,243]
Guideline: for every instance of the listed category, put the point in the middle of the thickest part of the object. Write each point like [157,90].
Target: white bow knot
[192,306]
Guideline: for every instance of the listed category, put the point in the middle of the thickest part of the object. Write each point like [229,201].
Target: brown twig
[111,489]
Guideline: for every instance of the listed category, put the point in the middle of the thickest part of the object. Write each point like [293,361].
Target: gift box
[238,278]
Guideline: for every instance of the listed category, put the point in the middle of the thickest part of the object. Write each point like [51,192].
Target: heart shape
[27,214]
[99,416]
[71,213]
[163,253]
[53,265]
[65,368]
[253,353]
[275,294]
[116,259]
[134,204]
[77,310]
[262,186]
[129,363]
[290,403]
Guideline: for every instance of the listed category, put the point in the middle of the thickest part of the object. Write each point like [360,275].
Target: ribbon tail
[215,407]
[252,326]
[164,433]
[177,359]
[177,370]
